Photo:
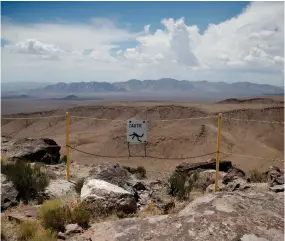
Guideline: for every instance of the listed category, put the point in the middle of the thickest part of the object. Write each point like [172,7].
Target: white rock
[107,195]
[72,228]
[59,188]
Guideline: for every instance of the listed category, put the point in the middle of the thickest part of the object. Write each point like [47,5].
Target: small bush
[27,230]
[78,185]
[256,176]
[44,235]
[80,215]
[180,185]
[28,181]
[54,215]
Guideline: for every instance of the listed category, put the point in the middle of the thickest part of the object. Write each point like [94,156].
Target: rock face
[33,150]
[108,196]
[222,216]
[8,193]
[58,188]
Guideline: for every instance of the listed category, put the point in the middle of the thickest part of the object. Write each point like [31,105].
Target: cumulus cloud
[248,47]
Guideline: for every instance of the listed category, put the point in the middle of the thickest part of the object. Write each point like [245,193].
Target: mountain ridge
[164,85]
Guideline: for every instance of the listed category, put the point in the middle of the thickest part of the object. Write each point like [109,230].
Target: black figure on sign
[137,136]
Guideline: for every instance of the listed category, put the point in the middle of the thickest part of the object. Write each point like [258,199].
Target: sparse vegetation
[27,230]
[55,215]
[203,131]
[80,215]
[44,235]
[180,185]
[78,185]
[256,176]
[29,182]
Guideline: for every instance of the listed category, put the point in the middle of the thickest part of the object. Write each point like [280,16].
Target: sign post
[136,131]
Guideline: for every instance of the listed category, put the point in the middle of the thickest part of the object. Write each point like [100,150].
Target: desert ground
[173,137]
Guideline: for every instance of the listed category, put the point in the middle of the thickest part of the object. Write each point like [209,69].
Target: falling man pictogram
[137,136]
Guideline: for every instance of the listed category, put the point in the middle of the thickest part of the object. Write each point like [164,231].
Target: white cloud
[248,47]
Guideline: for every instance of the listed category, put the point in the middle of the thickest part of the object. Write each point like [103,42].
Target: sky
[118,41]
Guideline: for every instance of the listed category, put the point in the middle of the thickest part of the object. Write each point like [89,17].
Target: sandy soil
[170,141]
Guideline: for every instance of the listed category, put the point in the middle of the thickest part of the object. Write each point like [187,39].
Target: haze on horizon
[53,42]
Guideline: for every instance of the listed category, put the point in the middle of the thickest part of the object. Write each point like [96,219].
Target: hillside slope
[169,141]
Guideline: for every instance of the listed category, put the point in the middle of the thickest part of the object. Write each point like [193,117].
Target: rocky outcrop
[108,196]
[253,215]
[188,168]
[8,194]
[275,176]
[33,150]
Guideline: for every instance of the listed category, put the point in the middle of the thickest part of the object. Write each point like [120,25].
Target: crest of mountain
[166,85]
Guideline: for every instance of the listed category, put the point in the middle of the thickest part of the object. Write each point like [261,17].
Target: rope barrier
[253,157]
[272,122]
[32,118]
[146,156]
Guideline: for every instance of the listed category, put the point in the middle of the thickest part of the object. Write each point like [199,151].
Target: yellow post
[67,147]
[218,150]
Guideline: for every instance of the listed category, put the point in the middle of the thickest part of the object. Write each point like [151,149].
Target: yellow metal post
[218,150]
[67,147]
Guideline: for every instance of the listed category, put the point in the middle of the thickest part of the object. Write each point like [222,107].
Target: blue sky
[123,13]
[117,41]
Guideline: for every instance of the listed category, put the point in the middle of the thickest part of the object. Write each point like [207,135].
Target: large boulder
[34,150]
[8,194]
[221,216]
[107,196]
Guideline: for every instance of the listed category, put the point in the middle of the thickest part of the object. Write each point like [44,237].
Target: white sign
[137,131]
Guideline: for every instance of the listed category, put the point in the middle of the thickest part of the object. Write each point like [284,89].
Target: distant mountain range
[165,85]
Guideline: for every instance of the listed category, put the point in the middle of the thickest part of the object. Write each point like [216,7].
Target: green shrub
[80,215]
[180,185]
[27,230]
[29,182]
[78,185]
[54,215]
[63,159]
[45,235]
[256,176]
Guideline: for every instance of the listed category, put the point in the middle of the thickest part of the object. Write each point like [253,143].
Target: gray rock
[33,150]
[59,188]
[72,228]
[277,188]
[107,196]
[232,174]
[61,235]
[252,237]
[8,194]
[216,217]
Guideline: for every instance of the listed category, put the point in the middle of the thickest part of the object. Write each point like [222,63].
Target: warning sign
[137,131]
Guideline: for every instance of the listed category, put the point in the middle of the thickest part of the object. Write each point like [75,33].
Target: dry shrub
[150,210]
[55,215]
[256,176]
[27,230]
[139,172]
